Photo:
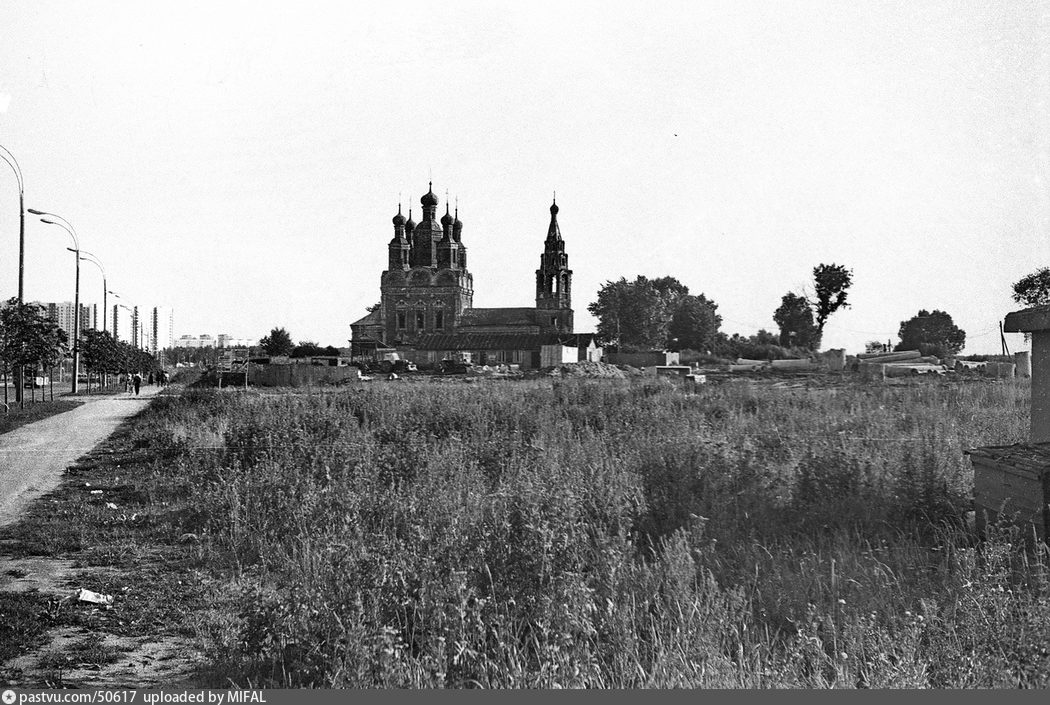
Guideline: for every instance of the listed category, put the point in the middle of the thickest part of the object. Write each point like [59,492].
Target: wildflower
[841,601]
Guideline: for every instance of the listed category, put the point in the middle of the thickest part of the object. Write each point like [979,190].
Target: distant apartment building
[203,340]
[228,341]
[162,328]
[63,314]
[123,320]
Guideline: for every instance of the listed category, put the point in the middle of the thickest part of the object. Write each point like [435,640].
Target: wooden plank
[993,495]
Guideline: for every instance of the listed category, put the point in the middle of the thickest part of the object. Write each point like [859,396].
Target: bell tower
[554,281]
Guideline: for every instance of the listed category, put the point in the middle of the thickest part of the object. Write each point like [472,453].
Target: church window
[439,320]
[400,320]
[420,320]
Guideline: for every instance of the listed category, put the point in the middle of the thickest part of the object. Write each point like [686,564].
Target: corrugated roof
[498,317]
[499,341]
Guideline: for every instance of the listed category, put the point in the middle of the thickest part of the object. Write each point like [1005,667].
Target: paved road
[33,457]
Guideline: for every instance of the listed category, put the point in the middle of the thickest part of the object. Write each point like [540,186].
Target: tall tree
[794,317]
[932,333]
[694,323]
[1033,289]
[278,342]
[832,283]
[637,314]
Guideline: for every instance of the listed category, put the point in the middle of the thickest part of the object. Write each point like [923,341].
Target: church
[426,310]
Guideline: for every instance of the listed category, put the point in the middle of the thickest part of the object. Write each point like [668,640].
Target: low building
[524,349]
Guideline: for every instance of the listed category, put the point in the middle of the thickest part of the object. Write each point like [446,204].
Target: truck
[387,361]
[457,364]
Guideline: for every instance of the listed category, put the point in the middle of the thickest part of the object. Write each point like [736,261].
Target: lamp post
[61,222]
[13,163]
[134,311]
[88,257]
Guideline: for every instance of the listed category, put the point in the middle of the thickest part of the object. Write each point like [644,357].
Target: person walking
[137,381]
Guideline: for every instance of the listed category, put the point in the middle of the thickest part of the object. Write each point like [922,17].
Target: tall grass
[603,534]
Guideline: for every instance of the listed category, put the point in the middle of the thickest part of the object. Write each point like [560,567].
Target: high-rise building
[123,323]
[162,327]
[63,313]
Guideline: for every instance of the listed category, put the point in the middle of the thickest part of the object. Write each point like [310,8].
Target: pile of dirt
[594,370]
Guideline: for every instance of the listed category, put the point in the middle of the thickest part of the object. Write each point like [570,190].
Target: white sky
[241,162]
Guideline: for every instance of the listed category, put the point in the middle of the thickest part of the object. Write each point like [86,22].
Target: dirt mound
[588,369]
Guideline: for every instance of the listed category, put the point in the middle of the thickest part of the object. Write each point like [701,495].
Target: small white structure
[558,355]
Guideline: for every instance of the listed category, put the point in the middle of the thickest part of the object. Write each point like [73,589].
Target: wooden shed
[1012,481]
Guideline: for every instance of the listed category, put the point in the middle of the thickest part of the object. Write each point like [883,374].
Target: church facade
[426,307]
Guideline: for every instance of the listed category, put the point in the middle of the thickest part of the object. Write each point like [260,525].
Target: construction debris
[85,595]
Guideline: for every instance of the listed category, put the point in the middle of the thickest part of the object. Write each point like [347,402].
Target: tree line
[646,314]
[278,343]
[103,354]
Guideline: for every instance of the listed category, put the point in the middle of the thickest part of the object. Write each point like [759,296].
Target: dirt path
[33,457]
[85,652]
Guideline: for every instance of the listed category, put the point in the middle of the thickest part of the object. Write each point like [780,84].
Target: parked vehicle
[452,367]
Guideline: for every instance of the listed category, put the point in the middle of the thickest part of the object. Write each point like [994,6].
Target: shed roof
[374,318]
[1026,320]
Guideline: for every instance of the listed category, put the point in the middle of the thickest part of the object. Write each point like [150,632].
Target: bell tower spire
[554,279]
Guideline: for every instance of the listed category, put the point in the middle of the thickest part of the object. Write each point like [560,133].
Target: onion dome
[429,200]
[399,219]
[457,226]
[410,224]
[553,231]
[447,218]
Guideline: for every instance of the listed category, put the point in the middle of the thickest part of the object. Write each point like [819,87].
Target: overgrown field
[601,533]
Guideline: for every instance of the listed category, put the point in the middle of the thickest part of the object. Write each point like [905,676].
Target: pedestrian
[137,381]
[151,378]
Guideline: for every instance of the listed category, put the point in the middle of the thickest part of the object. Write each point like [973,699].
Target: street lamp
[88,257]
[61,222]
[13,163]
[134,311]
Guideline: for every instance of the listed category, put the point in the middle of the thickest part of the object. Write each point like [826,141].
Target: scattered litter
[95,598]
[189,538]
[95,492]
[110,505]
